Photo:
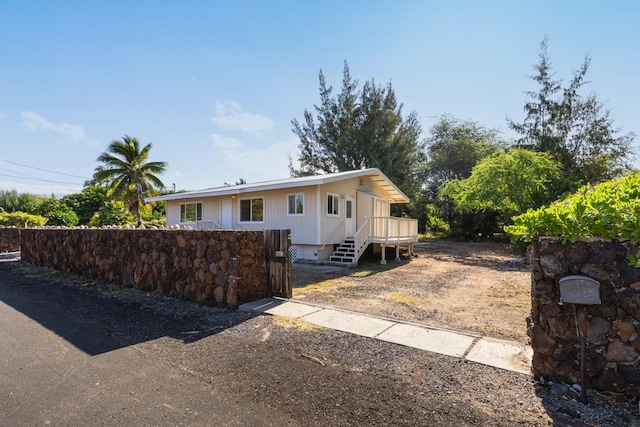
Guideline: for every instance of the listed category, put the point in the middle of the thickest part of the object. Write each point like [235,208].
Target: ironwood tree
[575,128]
[357,129]
[454,147]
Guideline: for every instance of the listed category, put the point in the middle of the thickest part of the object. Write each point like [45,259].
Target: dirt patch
[478,287]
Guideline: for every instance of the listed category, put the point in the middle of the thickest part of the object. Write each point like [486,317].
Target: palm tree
[127,173]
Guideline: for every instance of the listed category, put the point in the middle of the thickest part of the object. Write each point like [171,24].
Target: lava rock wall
[613,343]
[212,267]
[9,239]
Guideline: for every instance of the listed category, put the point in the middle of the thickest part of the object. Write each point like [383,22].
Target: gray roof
[394,193]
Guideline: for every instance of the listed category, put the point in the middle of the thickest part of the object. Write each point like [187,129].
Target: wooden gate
[276,245]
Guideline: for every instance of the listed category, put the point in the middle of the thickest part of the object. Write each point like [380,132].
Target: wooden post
[383,261]
[232,284]
[276,245]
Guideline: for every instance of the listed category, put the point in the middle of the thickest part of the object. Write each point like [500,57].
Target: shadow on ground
[97,322]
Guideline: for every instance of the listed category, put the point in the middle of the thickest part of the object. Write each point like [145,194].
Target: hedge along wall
[613,344]
[9,239]
[189,264]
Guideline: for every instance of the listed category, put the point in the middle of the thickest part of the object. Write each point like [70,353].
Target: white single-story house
[332,217]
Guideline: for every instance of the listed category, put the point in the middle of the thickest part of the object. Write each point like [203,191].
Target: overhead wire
[44,170]
[22,175]
[40,179]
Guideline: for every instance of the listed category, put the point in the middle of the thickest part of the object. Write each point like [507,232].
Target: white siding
[314,232]
[172,212]
[332,227]
[365,207]
[275,209]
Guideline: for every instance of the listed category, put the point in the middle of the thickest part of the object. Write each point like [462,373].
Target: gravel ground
[320,376]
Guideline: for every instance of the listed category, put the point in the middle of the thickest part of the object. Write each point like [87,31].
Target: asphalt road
[71,358]
[74,356]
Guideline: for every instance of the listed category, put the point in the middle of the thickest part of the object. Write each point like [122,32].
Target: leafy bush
[12,201]
[434,219]
[86,203]
[114,213]
[57,212]
[507,182]
[20,219]
[608,210]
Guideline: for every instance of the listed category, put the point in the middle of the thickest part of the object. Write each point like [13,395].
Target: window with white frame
[191,212]
[252,210]
[333,204]
[295,204]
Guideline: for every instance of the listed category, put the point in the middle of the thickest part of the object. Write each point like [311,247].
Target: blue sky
[214,85]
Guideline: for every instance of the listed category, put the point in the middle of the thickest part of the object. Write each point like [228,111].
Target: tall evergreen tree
[577,130]
[454,147]
[360,129]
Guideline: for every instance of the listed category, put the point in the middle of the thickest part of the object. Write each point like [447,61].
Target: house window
[295,204]
[252,210]
[191,212]
[333,204]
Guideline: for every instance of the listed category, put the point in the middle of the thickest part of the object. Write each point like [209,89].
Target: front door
[226,213]
[349,216]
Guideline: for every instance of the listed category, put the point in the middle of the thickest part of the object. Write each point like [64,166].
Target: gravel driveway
[479,287]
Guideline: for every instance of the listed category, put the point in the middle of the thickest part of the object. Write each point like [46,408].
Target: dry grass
[468,286]
[325,286]
[301,325]
[403,298]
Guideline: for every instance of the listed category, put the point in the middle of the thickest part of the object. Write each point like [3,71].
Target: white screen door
[226,213]
[349,217]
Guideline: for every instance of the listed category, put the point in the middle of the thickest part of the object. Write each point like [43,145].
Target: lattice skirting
[293,252]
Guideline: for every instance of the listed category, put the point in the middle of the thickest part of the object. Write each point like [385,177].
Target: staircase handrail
[360,239]
[332,234]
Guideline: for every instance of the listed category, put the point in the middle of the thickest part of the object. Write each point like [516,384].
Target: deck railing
[388,229]
[385,230]
[207,225]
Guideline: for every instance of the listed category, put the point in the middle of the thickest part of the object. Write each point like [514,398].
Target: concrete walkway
[9,256]
[501,354]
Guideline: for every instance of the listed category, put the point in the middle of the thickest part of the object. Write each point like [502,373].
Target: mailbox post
[581,291]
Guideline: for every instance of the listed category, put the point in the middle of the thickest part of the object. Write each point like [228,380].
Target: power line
[44,170]
[21,173]
[40,179]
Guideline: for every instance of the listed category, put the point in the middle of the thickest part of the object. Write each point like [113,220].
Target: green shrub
[21,219]
[114,213]
[434,219]
[608,210]
[57,212]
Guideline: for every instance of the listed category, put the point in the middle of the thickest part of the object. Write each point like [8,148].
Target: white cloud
[34,121]
[230,115]
[2,115]
[269,161]
[225,143]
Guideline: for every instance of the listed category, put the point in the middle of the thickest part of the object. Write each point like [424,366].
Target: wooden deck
[387,231]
